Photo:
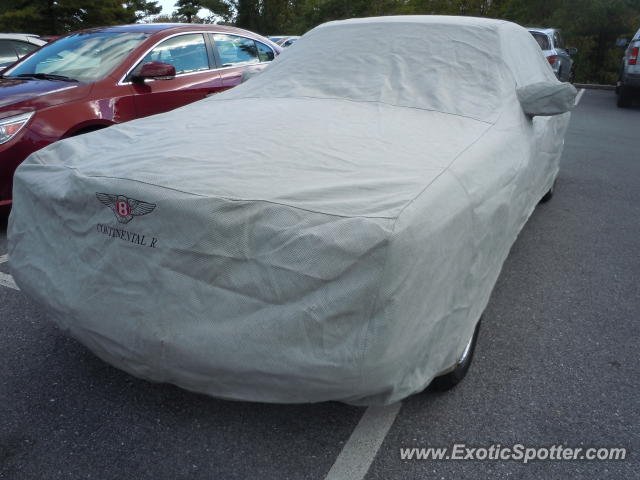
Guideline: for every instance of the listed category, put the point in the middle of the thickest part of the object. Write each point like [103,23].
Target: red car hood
[19,95]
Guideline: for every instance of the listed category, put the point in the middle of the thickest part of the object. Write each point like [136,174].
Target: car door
[565,59]
[235,54]
[196,75]
[545,159]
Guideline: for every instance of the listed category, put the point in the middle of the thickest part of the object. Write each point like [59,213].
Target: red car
[98,77]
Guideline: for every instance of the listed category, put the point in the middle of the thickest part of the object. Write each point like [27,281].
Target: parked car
[628,85]
[329,230]
[99,77]
[287,41]
[553,47]
[276,38]
[14,46]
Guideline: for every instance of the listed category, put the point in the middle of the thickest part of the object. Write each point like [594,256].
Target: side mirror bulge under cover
[547,98]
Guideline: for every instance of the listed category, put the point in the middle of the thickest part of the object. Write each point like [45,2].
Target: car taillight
[633,58]
[552,59]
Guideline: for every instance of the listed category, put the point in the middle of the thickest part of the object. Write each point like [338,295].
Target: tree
[56,17]
[219,8]
[139,9]
[593,27]
[248,14]
[165,18]
[187,9]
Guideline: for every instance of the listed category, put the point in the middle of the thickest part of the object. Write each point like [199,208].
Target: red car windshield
[84,57]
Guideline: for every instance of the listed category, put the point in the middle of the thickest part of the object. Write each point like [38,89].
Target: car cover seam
[230,199]
[446,169]
[218,99]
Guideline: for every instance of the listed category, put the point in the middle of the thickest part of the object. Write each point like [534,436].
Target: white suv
[16,45]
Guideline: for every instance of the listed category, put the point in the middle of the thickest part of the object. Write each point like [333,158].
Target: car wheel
[624,98]
[455,376]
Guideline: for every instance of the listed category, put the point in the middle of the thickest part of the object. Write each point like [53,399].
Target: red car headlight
[10,126]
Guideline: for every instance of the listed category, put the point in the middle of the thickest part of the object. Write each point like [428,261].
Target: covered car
[329,230]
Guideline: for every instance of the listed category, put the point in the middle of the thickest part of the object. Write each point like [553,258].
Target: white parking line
[6,280]
[579,96]
[358,453]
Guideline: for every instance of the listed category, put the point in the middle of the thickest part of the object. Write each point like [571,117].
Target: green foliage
[140,9]
[187,9]
[592,26]
[219,8]
[55,17]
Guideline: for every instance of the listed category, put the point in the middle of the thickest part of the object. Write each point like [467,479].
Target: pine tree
[49,17]
[139,9]
[188,9]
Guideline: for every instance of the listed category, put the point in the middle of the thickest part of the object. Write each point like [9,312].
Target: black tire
[624,97]
[549,195]
[4,217]
[449,380]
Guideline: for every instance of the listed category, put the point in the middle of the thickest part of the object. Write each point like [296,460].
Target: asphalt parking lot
[556,363]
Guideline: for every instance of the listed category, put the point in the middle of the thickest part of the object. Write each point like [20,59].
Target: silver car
[288,41]
[629,82]
[16,45]
[553,47]
[284,40]
[277,38]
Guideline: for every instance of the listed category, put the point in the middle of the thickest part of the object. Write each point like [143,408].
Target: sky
[168,7]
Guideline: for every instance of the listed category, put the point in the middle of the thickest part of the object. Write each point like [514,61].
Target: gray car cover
[546,98]
[329,230]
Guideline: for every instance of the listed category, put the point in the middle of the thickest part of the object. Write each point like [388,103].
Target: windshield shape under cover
[433,66]
[85,57]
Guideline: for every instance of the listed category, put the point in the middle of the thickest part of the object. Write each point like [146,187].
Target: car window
[23,48]
[289,42]
[234,50]
[187,53]
[542,40]
[265,54]
[557,40]
[7,53]
[84,56]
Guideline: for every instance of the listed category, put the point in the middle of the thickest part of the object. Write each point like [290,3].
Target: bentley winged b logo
[125,208]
